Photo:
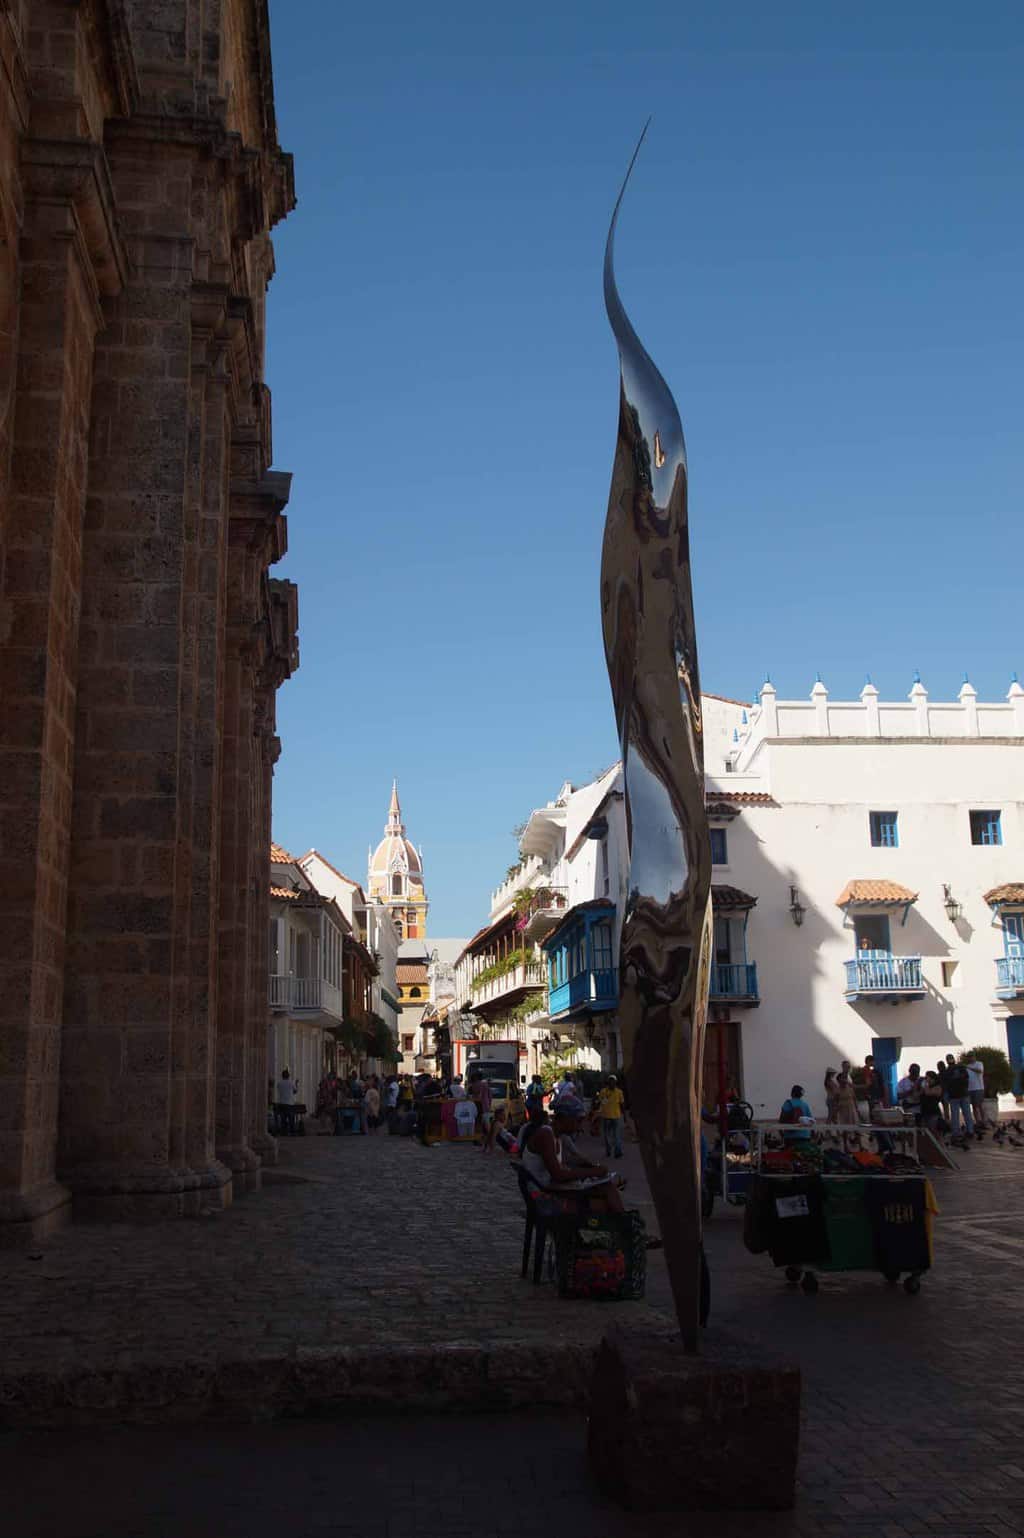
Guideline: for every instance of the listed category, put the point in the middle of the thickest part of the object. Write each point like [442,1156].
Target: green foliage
[553,1065]
[379,1041]
[530,1005]
[998,1072]
[499,968]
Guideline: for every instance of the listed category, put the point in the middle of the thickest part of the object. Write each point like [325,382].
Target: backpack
[790,1113]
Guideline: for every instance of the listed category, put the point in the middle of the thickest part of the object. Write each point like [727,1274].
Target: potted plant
[998,1076]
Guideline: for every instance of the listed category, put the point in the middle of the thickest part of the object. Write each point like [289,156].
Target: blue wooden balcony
[882,977]
[1010,977]
[734,982]
[594,990]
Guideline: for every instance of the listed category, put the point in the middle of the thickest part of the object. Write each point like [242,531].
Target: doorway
[872,932]
[886,1050]
[721,1051]
[1015,1051]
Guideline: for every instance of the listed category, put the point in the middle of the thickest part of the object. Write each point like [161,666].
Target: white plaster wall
[817,839]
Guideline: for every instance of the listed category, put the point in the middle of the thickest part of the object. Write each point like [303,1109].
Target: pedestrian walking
[909,1090]
[285,1106]
[612,1104]
[391,1102]
[371,1100]
[831,1094]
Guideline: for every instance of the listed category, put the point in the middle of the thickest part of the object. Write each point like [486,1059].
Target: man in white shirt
[391,1102]
[908,1089]
[286,1103]
[976,1090]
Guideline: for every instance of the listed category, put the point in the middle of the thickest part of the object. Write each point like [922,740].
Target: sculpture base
[715,1432]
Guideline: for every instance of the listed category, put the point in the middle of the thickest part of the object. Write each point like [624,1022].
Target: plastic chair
[535,1231]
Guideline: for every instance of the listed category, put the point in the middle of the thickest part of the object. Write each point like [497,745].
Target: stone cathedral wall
[141,638]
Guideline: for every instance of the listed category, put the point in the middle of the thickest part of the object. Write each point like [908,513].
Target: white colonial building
[867,889]
[305,994]
[877,852]
[371,921]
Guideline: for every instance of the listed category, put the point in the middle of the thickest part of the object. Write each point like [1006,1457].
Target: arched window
[396,885]
[414,993]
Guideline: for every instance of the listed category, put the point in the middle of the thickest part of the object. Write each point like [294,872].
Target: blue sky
[821,248]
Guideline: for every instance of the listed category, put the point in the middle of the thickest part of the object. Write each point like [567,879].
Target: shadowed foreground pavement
[912,1406]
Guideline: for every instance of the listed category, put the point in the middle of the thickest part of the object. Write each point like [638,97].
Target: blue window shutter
[884,829]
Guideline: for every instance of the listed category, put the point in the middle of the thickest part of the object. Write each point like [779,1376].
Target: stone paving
[912,1406]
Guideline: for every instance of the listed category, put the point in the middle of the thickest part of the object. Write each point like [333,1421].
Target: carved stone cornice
[75,172]
[254,515]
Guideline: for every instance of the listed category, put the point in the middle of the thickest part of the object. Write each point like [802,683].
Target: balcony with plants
[505,979]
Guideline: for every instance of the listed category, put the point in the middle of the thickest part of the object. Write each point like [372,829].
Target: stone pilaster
[70,257]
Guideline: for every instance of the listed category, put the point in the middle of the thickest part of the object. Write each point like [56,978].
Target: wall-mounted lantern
[949,902]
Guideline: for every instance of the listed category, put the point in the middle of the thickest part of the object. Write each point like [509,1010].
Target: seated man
[539,1144]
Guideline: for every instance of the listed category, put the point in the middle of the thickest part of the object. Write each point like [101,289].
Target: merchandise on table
[601,1256]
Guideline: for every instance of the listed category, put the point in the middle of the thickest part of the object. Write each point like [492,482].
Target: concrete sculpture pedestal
[671,1432]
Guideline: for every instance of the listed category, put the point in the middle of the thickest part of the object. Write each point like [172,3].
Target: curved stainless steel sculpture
[651,650]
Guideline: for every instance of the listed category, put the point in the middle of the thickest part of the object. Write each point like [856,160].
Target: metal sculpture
[651,651]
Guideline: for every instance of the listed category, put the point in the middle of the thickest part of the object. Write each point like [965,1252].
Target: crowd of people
[947,1100]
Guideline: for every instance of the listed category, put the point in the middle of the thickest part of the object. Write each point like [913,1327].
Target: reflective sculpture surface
[651,651]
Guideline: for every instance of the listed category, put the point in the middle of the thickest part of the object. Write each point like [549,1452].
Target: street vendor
[542,1158]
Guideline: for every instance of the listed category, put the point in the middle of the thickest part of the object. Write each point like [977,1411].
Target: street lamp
[796,907]
[949,902]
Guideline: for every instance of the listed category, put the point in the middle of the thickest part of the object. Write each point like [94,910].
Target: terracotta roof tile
[731,897]
[875,892]
[744,797]
[410,972]
[1009,892]
[280,856]
[286,892]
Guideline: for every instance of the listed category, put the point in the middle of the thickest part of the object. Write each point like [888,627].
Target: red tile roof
[410,972]
[286,892]
[744,797]
[731,897]
[881,892]
[280,856]
[1009,892]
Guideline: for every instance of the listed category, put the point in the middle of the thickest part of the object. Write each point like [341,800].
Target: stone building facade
[141,639]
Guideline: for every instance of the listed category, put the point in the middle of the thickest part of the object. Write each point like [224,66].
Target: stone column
[140,1001]
[70,258]
[237,940]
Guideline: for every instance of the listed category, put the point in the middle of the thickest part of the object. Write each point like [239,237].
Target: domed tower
[396,876]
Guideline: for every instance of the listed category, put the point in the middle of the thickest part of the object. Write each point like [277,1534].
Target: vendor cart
[840,1198]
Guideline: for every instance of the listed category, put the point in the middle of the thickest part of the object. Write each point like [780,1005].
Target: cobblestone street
[912,1406]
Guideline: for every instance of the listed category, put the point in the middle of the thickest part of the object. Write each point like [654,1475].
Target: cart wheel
[892,1277]
[810,1282]
[793,1274]
[912,1284]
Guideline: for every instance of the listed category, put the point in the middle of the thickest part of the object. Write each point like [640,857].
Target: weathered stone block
[715,1432]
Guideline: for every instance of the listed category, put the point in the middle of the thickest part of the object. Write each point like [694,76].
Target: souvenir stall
[837,1198]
